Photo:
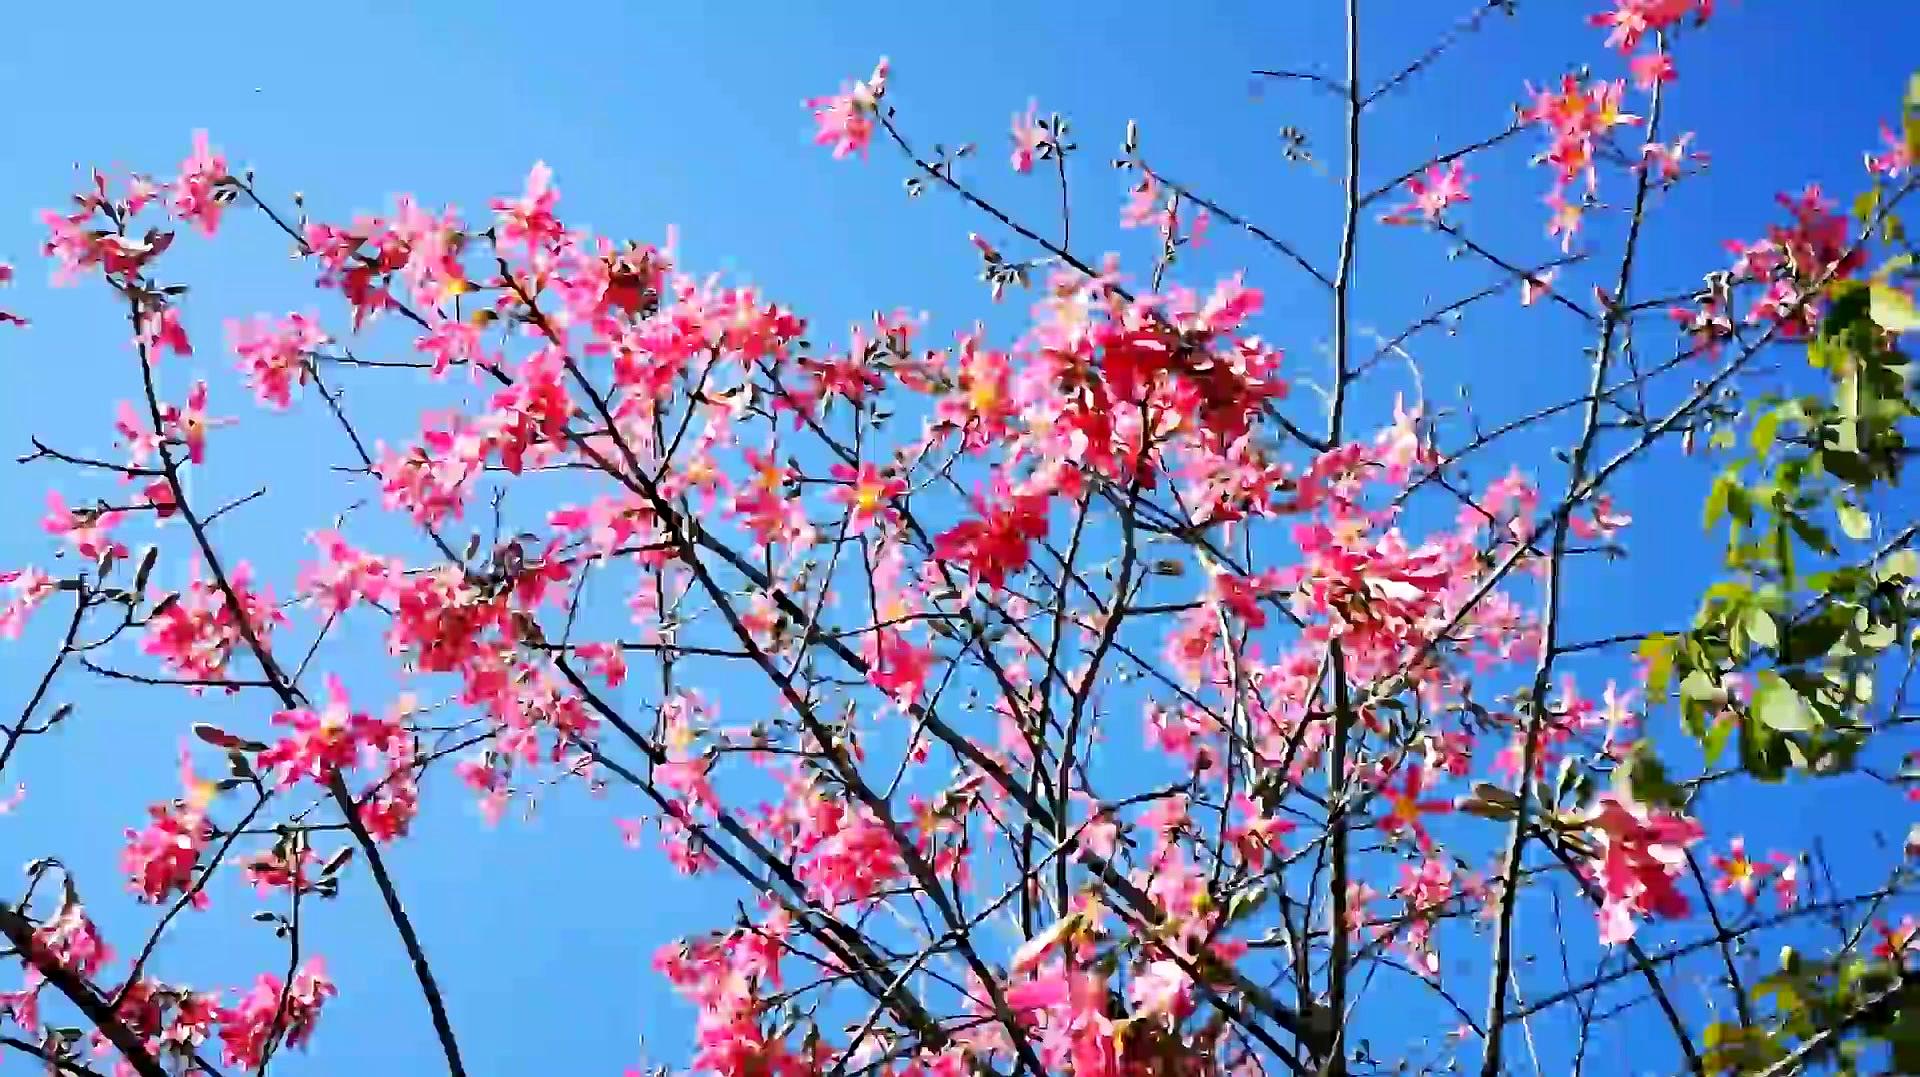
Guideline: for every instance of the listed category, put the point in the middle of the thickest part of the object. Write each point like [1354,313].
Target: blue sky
[690,116]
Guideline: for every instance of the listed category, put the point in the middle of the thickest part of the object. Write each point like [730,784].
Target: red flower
[1642,853]
[996,545]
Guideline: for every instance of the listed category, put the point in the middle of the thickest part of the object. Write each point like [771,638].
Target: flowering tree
[956,582]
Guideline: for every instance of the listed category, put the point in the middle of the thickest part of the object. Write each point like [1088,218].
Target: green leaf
[1765,429]
[1778,706]
[1659,651]
[1644,778]
[1848,465]
[1811,533]
[1761,629]
[1853,521]
[1894,309]
[1864,205]
[1716,505]
[1761,752]
[1715,741]
[1898,564]
[1811,639]
[1698,685]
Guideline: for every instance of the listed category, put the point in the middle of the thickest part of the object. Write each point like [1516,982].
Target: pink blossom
[1407,805]
[1144,206]
[527,223]
[277,869]
[89,530]
[160,858]
[1739,872]
[997,544]
[1650,69]
[72,941]
[326,741]
[161,331]
[1600,523]
[1894,158]
[1897,943]
[273,356]
[845,120]
[867,492]
[24,589]
[1631,20]
[898,666]
[1786,880]
[189,425]
[249,1028]
[1641,855]
[196,194]
[1028,138]
[1162,990]
[196,634]
[1428,196]
[1670,161]
[450,341]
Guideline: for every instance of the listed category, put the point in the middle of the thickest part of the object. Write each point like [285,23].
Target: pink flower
[1632,20]
[190,424]
[1406,806]
[845,120]
[1642,853]
[388,812]
[1028,138]
[345,576]
[843,852]
[998,543]
[160,858]
[450,341]
[1144,206]
[195,635]
[273,356]
[1786,880]
[1897,943]
[867,492]
[173,1020]
[161,331]
[25,588]
[1565,219]
[605,659]
[249,1028]
[898,666]
[1602,522]
[327,741]
[1161,990]
[1670,161]
[1738,872]
[87,529]
[528,223]
[1255,833]
[72,941]
[1894,159]
[276,869]
[1650,69]
[1429,196]
[196,194]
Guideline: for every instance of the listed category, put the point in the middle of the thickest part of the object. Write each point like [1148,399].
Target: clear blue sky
[654,115]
